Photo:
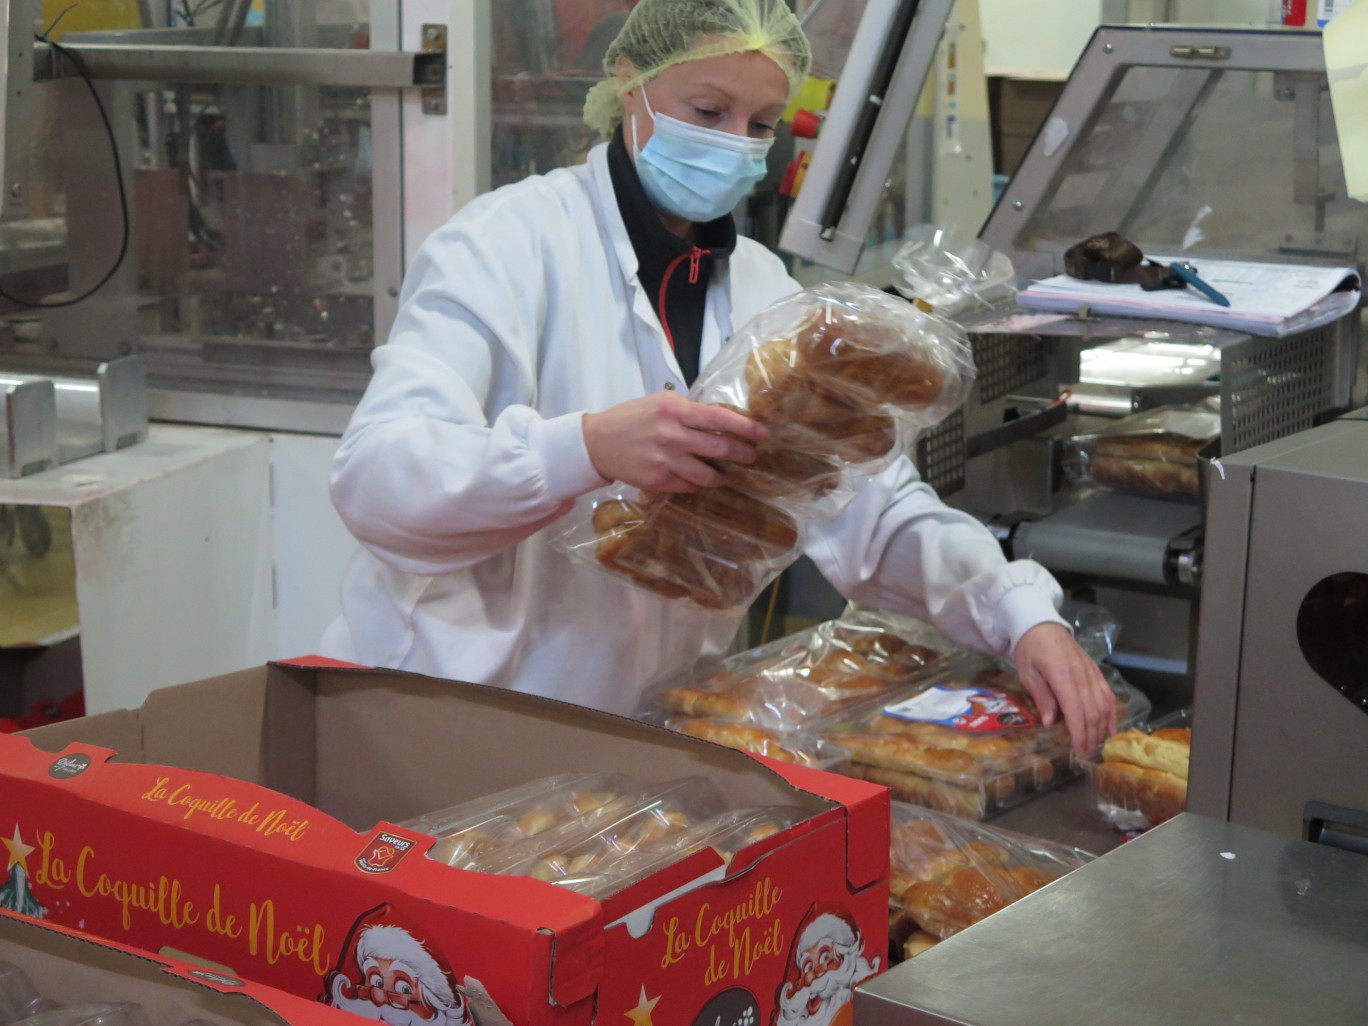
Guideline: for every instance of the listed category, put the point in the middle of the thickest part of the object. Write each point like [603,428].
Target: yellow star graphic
[18,850]
[641,1014]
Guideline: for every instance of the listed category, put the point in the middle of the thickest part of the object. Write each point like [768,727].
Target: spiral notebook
[1265,298]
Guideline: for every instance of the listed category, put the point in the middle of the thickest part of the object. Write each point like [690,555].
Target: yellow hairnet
[661,33]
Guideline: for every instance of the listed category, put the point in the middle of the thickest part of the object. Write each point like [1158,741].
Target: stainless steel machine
[1197,921]
[1152,137]
[272,181]
[1282,662]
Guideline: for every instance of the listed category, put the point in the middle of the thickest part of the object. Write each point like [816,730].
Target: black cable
[48,31]
[118,178]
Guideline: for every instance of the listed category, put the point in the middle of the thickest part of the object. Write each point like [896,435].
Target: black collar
[654,244]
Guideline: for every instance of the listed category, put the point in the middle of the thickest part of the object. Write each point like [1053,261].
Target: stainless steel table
[1198,921]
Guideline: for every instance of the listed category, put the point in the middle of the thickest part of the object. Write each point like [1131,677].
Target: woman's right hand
[658,443]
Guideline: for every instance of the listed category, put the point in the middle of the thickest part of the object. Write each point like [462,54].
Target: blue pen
[1188,273]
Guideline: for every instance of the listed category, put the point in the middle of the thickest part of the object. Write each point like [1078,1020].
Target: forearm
[898,547]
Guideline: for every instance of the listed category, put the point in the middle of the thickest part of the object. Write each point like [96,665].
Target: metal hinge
[435,42]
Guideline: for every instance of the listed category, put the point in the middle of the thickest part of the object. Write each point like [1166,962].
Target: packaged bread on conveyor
[968,741]
[842,375]
[790,684]
[945,875]
[1154,453]
[1141,777]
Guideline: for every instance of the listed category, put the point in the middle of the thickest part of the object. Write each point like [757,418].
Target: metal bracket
[435,44]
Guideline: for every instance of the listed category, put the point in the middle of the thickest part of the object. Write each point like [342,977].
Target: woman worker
[545,338]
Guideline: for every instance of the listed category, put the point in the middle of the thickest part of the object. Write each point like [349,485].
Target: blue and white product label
[964,708]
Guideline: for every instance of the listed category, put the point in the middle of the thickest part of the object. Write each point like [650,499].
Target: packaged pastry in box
[727,833]
[946,874]
[793,682]
[467,831]
[583,853]
[968,742]
[1153,453]
[1140,778]
[842,376]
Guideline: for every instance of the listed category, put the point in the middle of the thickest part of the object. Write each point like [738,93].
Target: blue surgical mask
[693,172]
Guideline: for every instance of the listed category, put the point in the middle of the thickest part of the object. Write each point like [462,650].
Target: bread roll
[1166,750]
[918,942]
[1146,477]
[893,751]
[714,698]
[1157,446]
[967,803]
[745,737]
[1156,795]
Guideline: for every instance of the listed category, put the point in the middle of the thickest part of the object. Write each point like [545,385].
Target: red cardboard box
[69,967]
[248,820]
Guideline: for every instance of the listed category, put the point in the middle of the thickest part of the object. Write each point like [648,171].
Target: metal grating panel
[940,455]
[1007,362]
[1276,387]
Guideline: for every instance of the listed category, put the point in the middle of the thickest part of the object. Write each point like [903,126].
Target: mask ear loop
[636,149]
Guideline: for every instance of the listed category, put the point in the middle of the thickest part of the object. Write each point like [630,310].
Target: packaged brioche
[585,853]
[597,868]
[493,822]
[1140,778]
[1154,453]
[945,875]
[796,681]
[796,747]
[968,742]
[842,376]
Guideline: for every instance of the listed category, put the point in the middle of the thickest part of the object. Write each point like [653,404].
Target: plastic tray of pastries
[493,822]
[796,681]
[946,874]
[968,742]
[581,853]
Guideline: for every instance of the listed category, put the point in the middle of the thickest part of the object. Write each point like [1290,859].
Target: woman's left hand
[1061,677]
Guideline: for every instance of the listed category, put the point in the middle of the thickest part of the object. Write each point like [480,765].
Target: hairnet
[661,33]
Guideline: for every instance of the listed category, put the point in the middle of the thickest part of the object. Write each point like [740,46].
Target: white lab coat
[520,314]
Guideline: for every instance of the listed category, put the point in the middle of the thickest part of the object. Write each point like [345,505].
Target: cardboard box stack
[251,820]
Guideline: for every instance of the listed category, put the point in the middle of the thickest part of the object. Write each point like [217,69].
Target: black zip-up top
[674,272]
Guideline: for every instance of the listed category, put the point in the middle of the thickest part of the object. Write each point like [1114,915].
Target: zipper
[693,256]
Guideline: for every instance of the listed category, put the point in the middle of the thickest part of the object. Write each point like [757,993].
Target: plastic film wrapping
[967,742]
[842,376]
[473,829]
[1140,777]
[795,682]
[945,875]
[1154,453]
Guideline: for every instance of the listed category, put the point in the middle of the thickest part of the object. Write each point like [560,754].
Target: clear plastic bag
[967,742]
[118,1013]
[951,271]
[18,997]
[1154,453]
[583,854]
[817,752]
[472,829]
[799,680]
[842,376]
[946,874]
[727,833]
[1139,778]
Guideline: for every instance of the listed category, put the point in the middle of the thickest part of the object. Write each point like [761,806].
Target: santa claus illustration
[388,971]
[826,964]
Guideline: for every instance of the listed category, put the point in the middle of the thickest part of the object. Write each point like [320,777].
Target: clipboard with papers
[1275,299]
